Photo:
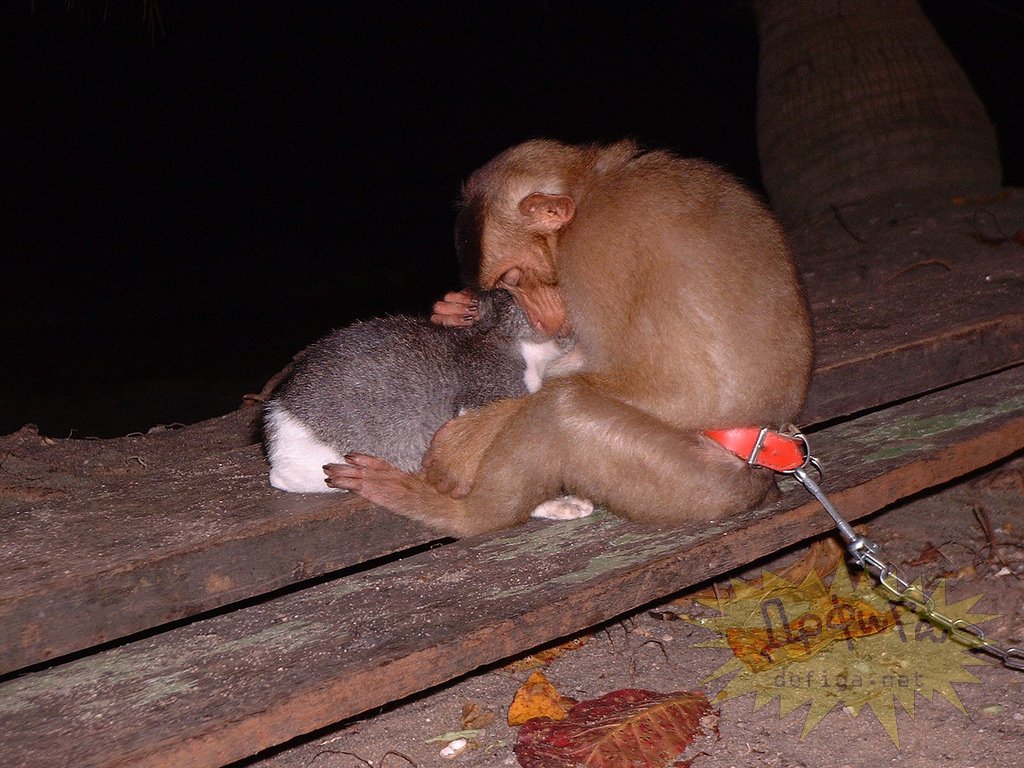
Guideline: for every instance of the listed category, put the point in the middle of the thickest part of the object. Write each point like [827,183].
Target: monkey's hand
[408,494]
[452,460]
[457,310]
[373,479]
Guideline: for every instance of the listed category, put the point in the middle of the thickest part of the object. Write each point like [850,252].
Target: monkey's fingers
[371,463]
[343,476]
[456,310]
[378,481]
[357,468]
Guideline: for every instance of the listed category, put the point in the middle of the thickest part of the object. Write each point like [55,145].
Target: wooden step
[890,323]
[100,566]
[223,688]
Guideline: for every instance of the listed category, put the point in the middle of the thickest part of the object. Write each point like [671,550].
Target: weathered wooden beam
[223,688]
[99,566]
[892,321]
[885,375]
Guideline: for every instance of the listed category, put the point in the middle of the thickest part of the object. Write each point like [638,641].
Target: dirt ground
[938,537]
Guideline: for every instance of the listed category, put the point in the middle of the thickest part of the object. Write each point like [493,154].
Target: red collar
[778,451]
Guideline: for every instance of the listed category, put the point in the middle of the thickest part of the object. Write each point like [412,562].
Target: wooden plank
[89,565]
[906,302]
[223,688]
[199,536]
[883,376]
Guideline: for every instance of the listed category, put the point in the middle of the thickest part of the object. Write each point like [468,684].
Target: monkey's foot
[564,508]
[455,451]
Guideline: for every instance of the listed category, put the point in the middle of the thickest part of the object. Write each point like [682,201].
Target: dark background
[181,215]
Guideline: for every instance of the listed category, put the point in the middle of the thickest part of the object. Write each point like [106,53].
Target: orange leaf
[537,698]
[623,729]
[475,717]
[846,620]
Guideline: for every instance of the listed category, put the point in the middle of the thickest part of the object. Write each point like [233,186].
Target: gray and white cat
[383,387]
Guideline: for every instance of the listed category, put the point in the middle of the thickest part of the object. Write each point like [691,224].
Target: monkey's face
[515,250]
[541,302]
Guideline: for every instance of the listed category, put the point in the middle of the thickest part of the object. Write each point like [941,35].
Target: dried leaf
[847,620]
[624,729]
[538,698]
[27,492]
[546,656]
[929,554]
[980,199]
[1011,478]
[967,572]
[476,717]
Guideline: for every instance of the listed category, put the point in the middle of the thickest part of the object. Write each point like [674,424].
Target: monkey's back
[728,343]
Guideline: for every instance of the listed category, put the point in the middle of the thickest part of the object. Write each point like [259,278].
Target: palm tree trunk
[860,98]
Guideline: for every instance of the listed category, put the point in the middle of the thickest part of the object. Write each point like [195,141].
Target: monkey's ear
[547,212]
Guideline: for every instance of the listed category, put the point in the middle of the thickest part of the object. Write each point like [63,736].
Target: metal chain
[868,555]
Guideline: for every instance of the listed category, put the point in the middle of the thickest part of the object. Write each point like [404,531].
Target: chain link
[868,555]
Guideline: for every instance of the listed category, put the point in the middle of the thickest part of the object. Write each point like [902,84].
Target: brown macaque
[679,288]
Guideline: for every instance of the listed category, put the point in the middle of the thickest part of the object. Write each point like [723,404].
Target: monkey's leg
[453,458]
[569,434]
[599,448]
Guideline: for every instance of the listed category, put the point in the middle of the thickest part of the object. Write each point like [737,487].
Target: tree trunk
[859,99]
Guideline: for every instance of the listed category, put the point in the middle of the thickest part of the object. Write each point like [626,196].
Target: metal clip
[809,460]
[757,446]
[845,529]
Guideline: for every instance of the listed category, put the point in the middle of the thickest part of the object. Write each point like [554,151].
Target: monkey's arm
[457,310]
[377,481]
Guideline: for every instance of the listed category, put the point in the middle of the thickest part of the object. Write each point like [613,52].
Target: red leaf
[623,729]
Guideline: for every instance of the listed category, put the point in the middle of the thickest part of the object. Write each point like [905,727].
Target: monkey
[385,385]
[679,288]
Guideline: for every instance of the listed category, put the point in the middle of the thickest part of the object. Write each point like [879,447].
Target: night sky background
[181,215]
